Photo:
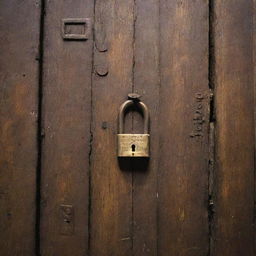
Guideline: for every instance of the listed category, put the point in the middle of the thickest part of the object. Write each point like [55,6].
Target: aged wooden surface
[234,186]
[183,157]
[195,196]
[19,24]
[66,130]
[146,83]
[111,187]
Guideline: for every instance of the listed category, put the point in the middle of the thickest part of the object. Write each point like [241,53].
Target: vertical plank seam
[40,130]
[158,146]
[133,88]
[134,41]
[211,145]
[91,137]
[211,45]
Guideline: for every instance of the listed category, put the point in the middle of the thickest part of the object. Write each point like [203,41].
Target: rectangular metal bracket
[76,28]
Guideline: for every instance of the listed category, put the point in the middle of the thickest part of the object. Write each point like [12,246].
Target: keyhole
[133,148]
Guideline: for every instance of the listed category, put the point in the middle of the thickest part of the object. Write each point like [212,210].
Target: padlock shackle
[128,104]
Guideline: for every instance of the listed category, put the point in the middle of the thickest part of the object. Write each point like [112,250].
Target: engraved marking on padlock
[133,145]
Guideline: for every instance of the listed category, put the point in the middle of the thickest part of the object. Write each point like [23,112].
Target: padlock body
[133,145]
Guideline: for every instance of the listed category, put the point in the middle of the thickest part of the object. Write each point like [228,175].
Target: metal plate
[66,219]
[133,145]
[76,28]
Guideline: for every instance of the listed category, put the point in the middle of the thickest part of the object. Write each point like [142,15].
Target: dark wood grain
[234,186]
[195,196]
[183,156]
[66,128]
[19,24]
[111,187]
[147,84]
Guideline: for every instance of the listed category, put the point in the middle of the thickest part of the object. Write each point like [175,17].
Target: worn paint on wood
[66,123]
[111,187]
[234,187]
[184,103]
[147,84]
[19,24]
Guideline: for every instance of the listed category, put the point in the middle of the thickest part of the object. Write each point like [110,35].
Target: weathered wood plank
[146,83]
[184,125]
[234,186]
[111,186]
[19,24]
[66,127]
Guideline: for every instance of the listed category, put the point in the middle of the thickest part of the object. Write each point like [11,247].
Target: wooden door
[66,67]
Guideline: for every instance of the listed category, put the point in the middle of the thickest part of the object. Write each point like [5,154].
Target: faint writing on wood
[198,117]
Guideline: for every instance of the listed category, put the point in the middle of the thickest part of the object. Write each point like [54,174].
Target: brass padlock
[133,145]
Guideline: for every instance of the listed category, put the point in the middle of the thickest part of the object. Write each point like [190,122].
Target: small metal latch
[76,28]
[66,219]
